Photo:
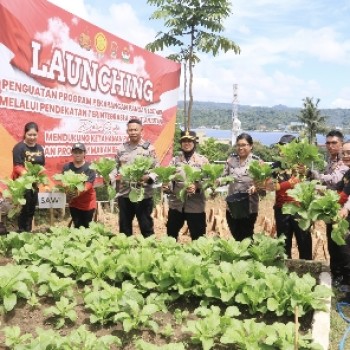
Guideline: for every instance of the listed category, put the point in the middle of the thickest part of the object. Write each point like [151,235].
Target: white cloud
[322,44]
[77,7]
[278,39]
[341,103]
[119,19]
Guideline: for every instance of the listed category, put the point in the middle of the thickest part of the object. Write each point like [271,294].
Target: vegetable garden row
[210,294]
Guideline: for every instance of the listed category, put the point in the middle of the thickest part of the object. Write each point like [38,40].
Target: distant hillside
[211,114]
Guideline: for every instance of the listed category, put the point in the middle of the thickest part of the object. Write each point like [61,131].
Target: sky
[290,49]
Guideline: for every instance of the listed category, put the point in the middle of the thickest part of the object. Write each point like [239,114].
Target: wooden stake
[111,206]
[218,227]
[324,250]
[296,338]
[51,216]
[317,245]
[211,215]
[164,211]
[98,215]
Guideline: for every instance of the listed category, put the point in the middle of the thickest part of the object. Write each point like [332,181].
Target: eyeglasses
[331,143]
[241,145]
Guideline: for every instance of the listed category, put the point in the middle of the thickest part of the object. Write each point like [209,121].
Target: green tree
[311,116]
[213,150]
[266,153]
[177,145]
[194,26]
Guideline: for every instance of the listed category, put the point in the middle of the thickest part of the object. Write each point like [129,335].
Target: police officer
[343,188]
[243,198]
[332,175]
[126,153]
[192,210]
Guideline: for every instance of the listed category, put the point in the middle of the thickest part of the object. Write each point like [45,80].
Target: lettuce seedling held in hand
[16,189]
[260,172]
[164,173]
[37,171]
[133,173]
[210,176]
[298,153]
[188,176]
[71,183]
[104,166]
[311,206]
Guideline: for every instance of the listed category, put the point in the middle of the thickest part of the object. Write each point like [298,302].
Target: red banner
[80,84]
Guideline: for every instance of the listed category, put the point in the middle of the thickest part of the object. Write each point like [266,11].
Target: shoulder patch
[146,145]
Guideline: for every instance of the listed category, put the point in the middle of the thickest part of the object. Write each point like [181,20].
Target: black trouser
[339,257]
[81,217]
[241,228]
[25,218]
[142,210]
[287,224]
[196,223]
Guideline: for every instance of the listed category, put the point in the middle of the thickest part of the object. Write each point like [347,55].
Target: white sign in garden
[53,200]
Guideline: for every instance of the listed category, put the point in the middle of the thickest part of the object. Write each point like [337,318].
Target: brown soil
[216,224]
[28,318]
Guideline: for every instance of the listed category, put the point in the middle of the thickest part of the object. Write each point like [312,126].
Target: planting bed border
[321,322]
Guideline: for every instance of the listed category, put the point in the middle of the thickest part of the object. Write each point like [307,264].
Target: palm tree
[311,116]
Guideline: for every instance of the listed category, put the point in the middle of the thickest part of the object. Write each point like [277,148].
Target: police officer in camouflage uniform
[192,210]
[126,153]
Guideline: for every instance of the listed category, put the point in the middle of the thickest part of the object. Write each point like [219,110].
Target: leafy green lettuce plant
[35,174]
[37,171]
[210,175]
[13,337]
[63,310]
[80,338]
[311,206]
[104,166]
[142,345]
[71,181]
[259,171]
[188,175]
[299,153]
[15,191]
[164,173]
[15,282]
[207,330]
[133,172]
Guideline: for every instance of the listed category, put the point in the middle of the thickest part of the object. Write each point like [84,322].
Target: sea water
[266,138]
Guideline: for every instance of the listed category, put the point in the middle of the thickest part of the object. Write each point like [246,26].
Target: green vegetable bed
[92,289]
